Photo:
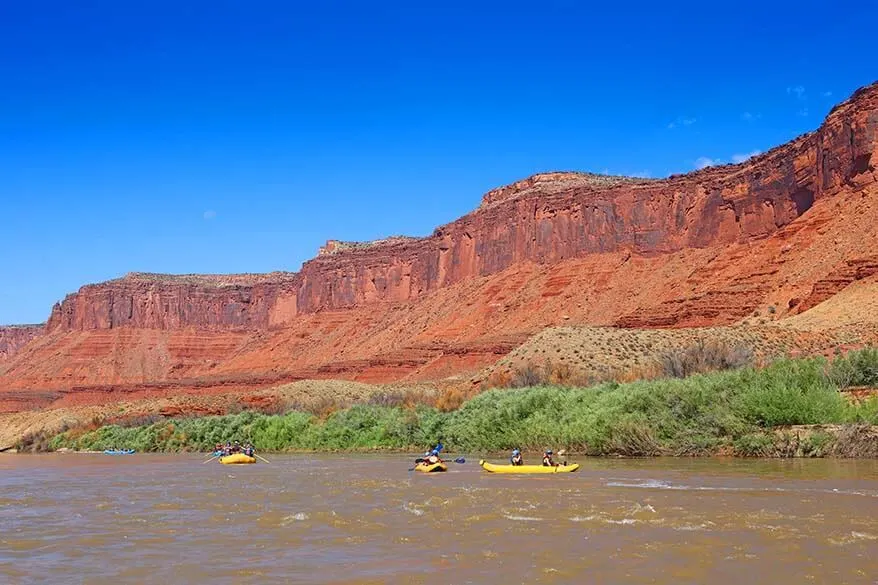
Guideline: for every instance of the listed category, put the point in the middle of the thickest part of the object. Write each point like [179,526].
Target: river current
[167,519]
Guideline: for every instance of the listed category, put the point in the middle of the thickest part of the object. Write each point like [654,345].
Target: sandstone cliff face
[549,218]
[152,301]
[545,219]
[14,337]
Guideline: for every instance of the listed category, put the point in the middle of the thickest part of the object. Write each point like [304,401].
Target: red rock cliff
[14,337]
[544,219]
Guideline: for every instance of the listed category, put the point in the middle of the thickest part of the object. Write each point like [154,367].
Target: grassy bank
[734,412]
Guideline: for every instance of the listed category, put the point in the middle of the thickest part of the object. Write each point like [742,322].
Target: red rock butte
[787,229]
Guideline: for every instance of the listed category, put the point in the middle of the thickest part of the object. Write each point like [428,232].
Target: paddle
[459,460]
[211,459]
[263,458]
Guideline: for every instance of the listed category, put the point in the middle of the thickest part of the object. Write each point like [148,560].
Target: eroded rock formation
[784,230]
[14,337]
[544,219]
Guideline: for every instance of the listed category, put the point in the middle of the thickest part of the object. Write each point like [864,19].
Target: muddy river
[356,520]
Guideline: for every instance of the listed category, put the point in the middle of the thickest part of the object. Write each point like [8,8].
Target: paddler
[563,453]
[516,458]
[432,456]
[547,459]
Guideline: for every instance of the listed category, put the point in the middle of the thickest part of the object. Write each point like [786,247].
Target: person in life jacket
[516,458]
[563,453]
[547,459]
[432,455]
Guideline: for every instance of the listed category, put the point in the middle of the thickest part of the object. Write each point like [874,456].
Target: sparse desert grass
[606,353]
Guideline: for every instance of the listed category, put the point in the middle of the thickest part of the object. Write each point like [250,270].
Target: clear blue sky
[231,136]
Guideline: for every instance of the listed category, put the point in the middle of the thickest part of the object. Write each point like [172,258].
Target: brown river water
[367,519]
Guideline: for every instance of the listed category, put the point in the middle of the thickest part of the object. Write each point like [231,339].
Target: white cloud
[798,91]
[739,158]
[682,121]
[826,94]
[803,112]
[641,174]
[749,116]
[209,215]
[702,162]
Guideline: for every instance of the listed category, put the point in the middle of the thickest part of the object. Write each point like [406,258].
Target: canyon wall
[547,218]
[14,337]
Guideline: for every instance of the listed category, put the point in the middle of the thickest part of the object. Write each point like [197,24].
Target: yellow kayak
[427,468]
[237,458]
[527,468]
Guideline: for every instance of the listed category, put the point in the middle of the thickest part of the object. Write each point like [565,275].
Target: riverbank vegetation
[744,411]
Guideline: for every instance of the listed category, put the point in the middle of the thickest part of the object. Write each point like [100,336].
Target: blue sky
[231,136]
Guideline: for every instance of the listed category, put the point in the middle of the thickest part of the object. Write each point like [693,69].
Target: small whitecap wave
[522,518]
[853,537]
[297,517]
[409,507]
[649,483]
[663,485]
[691,527]
[583,518]
[638,508]
[597,518]
[624,521]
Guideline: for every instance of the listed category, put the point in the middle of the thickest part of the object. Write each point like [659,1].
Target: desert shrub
[754,445]
[272,407]
[703,357]
[527,376]
[818,444]
[857,368]
[139,421]
[789,392]
[389,398]
[864,413]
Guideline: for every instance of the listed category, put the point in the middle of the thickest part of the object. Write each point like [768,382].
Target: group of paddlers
[432,456]
[231,448]
[548,458]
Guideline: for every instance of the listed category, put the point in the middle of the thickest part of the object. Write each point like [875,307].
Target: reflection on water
[334,519]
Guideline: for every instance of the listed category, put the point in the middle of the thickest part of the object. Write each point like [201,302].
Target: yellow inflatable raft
[527,468]
[428,468]
[237,459]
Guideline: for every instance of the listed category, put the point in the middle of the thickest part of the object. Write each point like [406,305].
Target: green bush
[790,392]
[857,368]
[754,445]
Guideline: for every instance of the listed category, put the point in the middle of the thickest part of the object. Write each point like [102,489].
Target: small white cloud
[641,174]
[803,112]
[798,91]
[826,94]
[682,121]
[739,158]
[209,214]
[750,116]
[702,162]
